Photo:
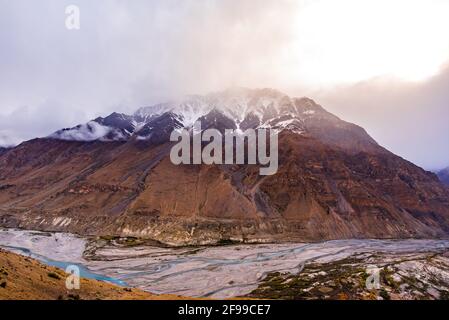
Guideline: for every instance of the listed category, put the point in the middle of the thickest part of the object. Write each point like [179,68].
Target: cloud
[130,54]
[7,139]
[90,131]
[27,122]
[408,118]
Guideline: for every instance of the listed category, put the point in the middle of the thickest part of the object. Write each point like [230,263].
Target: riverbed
[216,272]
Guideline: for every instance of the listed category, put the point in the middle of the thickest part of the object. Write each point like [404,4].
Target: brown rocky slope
[444,176]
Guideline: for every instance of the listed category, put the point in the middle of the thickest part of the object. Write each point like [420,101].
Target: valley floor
[400,269]
[399,277]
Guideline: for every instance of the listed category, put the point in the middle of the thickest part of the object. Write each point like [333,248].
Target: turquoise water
[84,272]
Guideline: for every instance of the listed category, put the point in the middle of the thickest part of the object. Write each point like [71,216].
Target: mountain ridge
[250,109]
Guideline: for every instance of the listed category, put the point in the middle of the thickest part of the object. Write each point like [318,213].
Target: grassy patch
[338,280]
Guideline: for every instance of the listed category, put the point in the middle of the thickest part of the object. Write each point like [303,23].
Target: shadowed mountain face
[444,176]
[3,150]
[113,175]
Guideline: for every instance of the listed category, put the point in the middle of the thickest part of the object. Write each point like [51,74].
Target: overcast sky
[380,64]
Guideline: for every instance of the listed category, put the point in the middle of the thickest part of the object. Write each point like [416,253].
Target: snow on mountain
[235,104]
[245,108]
[90,131]
[158,129]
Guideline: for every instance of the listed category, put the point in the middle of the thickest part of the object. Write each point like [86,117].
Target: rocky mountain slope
[444,176]
[113,176]
[3,150]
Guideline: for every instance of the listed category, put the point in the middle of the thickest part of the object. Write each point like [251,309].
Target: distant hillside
[444,176]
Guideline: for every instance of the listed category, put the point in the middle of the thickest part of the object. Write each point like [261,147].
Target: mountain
[113,176]
[236,108]
[444,176]
[3,150]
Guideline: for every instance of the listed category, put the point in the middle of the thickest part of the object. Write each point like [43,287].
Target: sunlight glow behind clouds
[351,40]
[129,54]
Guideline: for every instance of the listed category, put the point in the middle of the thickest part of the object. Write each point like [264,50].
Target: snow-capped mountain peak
[239,108]
[236,104]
